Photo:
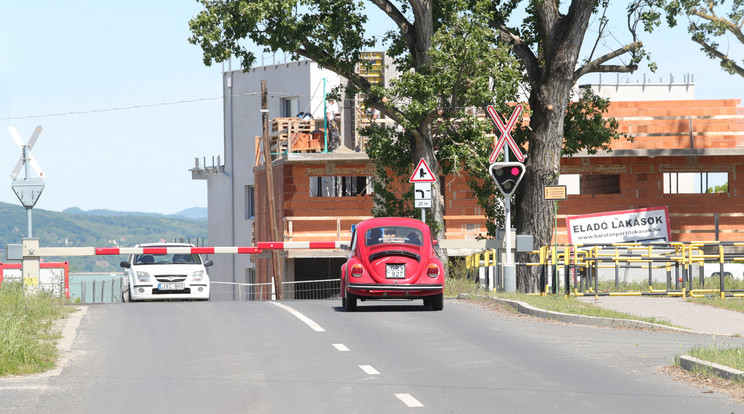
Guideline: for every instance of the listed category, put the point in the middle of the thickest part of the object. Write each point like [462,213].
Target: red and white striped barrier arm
[176,250]
[300,245]
[104,251]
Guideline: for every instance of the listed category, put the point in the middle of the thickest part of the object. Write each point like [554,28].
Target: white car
[165,271]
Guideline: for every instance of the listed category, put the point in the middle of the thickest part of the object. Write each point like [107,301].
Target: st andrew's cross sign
[505,131]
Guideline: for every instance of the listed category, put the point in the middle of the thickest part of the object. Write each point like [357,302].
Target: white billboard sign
[626,226]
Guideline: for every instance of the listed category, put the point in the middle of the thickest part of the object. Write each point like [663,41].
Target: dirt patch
[491,304]
[707,384]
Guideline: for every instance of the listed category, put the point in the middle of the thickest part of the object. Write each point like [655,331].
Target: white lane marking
[309,322]
[409,400]
[38,387]
[341,347]
[369,370]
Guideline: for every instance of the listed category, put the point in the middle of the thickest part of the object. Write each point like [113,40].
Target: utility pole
[274,226]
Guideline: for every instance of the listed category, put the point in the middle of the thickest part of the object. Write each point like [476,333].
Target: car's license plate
[171,286]
[395,271]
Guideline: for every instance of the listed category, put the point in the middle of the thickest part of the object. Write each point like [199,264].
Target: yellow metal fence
[580,267]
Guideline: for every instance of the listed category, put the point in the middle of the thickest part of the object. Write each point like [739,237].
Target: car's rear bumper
[377,286]
[375,290]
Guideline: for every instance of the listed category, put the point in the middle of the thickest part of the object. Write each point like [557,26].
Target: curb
[691,363]
[523,307]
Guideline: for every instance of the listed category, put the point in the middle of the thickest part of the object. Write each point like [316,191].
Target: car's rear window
[393,234]
[167,259]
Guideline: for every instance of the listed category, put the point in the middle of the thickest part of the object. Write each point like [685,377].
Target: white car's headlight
[143,277]
[197,276]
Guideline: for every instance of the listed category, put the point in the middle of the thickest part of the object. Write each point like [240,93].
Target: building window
[590,183]
[290,106]
[695,182]
[250,207]
[333,186]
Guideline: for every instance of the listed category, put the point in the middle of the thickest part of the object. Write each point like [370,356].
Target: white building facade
[293,87]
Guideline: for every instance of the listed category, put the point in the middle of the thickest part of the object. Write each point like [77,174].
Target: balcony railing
[324,228]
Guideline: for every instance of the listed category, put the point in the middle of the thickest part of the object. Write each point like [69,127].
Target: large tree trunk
[550,83]
[533,214]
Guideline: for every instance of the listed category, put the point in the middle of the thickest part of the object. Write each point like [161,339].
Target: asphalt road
[390,357]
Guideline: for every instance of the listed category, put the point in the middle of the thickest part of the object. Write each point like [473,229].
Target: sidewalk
[679,312]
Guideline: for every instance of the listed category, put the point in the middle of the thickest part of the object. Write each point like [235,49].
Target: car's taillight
[357,270]
[432,270]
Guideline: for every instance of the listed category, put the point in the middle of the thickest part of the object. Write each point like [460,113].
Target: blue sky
[87,56]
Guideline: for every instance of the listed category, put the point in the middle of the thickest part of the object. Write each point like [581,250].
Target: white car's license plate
[171,286]
[395,271]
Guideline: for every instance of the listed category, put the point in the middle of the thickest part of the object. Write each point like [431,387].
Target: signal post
[507,176]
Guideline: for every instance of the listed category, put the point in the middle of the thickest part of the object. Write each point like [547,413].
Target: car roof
[391,221]
[164,245]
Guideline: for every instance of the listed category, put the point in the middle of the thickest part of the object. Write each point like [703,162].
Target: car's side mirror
[125,264]
[208,263]
[344,247]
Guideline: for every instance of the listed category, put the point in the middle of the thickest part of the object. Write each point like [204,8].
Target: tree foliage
[709,22]
[465,73]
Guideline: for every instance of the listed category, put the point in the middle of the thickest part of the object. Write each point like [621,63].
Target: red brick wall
[691,216]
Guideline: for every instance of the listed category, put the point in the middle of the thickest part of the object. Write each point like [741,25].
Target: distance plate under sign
[423,203]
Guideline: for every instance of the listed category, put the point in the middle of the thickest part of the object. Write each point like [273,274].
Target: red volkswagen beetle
[392,258]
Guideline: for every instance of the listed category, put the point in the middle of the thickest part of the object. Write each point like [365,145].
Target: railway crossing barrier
[31,253]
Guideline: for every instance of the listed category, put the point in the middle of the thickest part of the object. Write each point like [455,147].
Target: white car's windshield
[167,259]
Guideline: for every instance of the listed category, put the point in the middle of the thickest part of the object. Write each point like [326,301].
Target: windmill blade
[16,137]
[17,169]
[35,165]
[34,137]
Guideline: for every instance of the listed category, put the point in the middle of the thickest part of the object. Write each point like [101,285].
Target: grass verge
[730,357]
[27,337]
[571,305]
[732,304]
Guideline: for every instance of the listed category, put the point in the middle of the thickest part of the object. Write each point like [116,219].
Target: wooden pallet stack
[293,134]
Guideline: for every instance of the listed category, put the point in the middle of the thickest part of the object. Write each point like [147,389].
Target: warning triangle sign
[422,174]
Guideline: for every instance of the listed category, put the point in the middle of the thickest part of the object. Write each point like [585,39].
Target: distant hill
[73,227]
[194,213]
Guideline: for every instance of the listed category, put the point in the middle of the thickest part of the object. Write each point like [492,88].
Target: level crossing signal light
[507,176]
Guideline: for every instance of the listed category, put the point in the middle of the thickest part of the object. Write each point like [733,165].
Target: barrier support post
[31,261]
[721,274]
[566,268]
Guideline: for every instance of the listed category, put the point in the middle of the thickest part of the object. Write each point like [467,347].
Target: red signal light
[507,176]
